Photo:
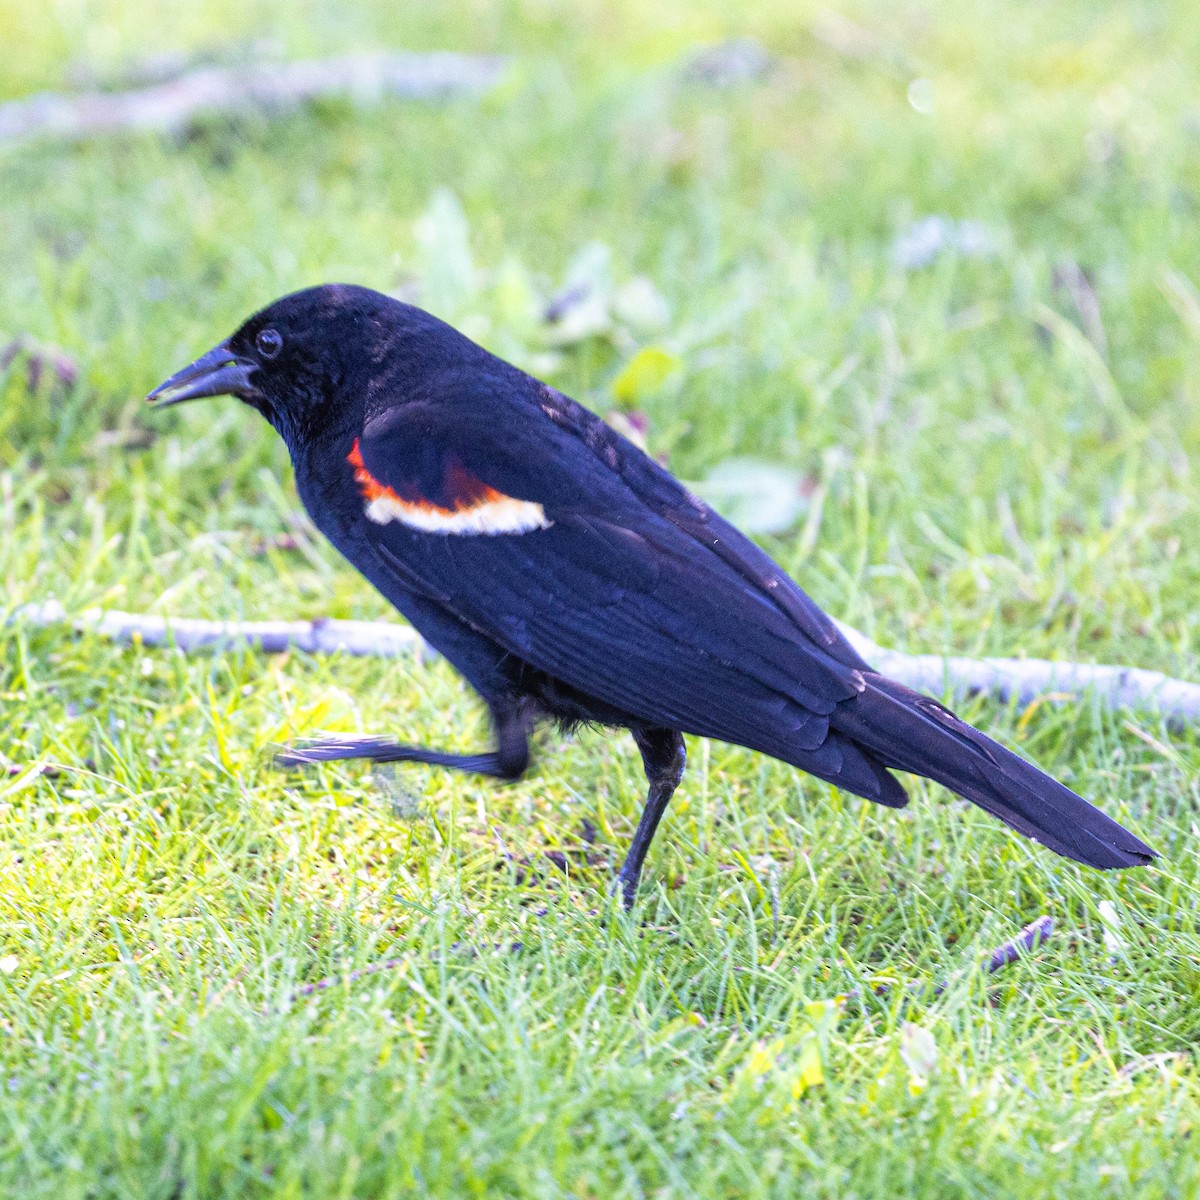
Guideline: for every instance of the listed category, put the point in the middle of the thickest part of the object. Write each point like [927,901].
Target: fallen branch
[363,638]
[170,107]
[1025,680]
[1021,679]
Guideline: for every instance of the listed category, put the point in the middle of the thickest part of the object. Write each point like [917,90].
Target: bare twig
[171,106]
[1035,934]
[362,638]
[1030,938]
[1021,679]
[1027,679]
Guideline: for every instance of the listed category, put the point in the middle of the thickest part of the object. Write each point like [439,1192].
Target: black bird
[568,576]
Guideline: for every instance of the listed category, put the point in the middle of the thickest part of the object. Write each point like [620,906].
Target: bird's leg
[512,716]
[664,757]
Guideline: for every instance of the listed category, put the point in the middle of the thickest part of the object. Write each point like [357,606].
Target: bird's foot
[320,750]
[378,749]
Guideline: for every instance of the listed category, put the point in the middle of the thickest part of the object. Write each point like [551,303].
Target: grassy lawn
[1001,446]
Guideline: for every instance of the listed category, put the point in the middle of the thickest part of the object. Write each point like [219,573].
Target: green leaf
[645,373]
[807,1071]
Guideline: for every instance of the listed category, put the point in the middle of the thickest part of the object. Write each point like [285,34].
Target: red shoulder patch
[460,489]
[466,505]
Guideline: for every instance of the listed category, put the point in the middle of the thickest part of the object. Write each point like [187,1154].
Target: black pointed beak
[220,372]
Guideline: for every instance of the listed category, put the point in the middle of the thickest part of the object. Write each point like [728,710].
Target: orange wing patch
[476,508]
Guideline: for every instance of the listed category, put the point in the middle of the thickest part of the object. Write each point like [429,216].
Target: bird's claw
[308,754]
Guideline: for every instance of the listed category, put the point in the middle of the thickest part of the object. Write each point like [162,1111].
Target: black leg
[512,717]
[664,757]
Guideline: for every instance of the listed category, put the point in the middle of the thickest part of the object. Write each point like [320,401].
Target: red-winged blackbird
[567,575]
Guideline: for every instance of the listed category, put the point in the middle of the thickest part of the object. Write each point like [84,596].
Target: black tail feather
[910,732]
[848,765]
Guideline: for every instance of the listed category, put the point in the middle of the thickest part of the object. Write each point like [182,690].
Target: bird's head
[316,359]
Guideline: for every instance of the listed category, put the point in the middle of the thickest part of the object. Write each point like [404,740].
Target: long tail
[910,732]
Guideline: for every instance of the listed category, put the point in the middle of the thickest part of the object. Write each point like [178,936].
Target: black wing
[614,579]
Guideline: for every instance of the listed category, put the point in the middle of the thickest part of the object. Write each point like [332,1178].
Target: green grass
[988,481]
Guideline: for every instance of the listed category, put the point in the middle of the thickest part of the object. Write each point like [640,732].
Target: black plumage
[568,576]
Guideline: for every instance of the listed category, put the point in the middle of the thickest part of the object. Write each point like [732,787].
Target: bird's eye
[269,343]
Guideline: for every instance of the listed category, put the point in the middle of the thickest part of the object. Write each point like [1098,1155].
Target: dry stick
[1029,939]
[321,636]
[1023,680]
[172,107]
[1035,934]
